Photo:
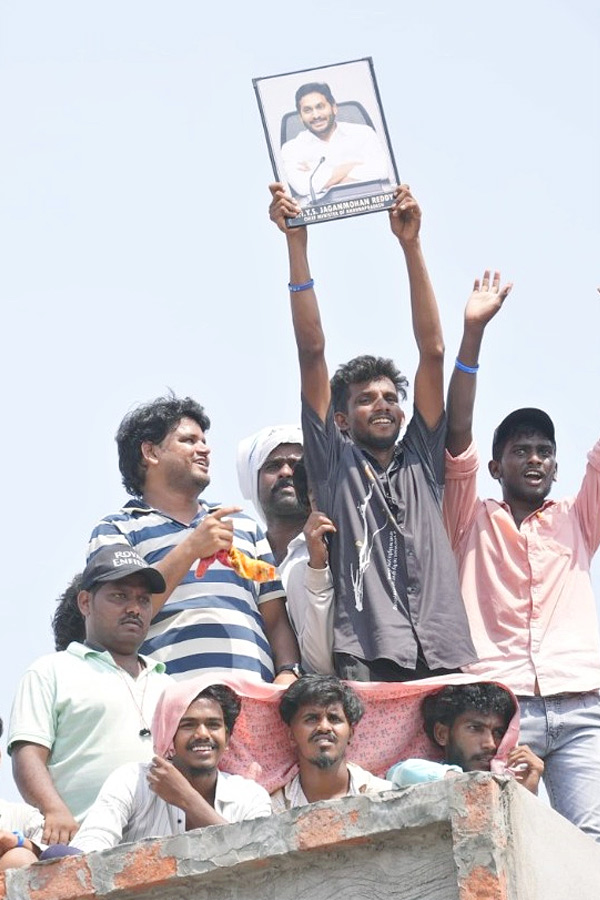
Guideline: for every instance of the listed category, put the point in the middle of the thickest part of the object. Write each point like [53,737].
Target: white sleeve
[252,801]
[374,163]
[316,636]
[104,824]
[294,159]
[33,716]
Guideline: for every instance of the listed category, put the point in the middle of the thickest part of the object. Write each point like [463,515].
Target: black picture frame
[312,142]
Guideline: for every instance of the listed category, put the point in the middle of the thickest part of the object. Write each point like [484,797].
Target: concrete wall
[476,837]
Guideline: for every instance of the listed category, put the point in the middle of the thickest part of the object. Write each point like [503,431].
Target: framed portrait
[328,140]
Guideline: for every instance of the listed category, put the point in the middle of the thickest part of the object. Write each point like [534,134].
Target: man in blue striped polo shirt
[221,620]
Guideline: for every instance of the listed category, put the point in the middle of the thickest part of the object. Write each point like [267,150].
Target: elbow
[311,351]
[434,352]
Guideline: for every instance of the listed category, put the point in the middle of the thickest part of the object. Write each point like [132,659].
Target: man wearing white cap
[266,464]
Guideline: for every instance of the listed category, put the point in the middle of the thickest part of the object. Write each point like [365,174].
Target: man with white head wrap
[265,463]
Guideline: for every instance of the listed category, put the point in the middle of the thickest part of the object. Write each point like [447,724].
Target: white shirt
[360,782]
[348,143]
[128,810]
[309,594]
[22,817]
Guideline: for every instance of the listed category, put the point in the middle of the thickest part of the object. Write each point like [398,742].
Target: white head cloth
[252,453]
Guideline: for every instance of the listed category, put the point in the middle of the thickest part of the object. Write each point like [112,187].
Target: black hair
[363,369]
[1,727]
[320,690]
[452,701]
[314,87]
[151,422]
[519,429]
[68,622]
[227,699]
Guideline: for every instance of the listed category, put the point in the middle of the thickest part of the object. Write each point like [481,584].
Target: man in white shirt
[268,463]
[327,152]
[182,788]
[321,713]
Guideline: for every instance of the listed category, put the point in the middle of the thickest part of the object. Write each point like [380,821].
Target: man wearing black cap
[83,711]
[524,570]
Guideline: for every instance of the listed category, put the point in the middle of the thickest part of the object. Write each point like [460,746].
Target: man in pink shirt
[524,571]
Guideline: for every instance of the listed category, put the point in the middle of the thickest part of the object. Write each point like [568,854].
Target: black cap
[119,561]
[528,417]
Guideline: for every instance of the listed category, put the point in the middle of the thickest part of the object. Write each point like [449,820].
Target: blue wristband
[20,838]
[470,370]
[304,286]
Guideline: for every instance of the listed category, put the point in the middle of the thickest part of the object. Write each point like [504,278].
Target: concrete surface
[475,837]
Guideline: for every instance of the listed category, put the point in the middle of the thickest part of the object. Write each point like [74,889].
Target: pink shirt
[528,592]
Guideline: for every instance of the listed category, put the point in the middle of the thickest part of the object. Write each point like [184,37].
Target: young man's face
[472,740]
[201,738]
[181,458]
[318,115]
[374,416]
[320,734]
[117,614]
[526,468]
[276,490]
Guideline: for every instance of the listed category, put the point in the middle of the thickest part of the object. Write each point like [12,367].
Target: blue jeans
[565,731]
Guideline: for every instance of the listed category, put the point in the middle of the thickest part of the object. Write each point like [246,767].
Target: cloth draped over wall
[390,730]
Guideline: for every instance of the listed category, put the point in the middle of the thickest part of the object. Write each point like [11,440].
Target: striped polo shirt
[208,623]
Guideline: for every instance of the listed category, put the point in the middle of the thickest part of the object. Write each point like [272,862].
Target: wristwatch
[295,668]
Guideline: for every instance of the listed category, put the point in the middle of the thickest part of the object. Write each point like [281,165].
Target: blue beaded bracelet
[20,838]
[470,370]
[304,286]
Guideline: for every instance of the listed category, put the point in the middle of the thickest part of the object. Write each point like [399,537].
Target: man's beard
[324,762]
[382,443]
[370,442]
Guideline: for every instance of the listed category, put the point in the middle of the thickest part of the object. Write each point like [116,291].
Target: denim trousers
[565,731]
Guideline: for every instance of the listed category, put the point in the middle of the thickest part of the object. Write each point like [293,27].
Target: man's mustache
[283,483]
[328,735]
[135,620]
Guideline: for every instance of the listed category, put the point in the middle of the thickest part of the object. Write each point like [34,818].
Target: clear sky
[137,254]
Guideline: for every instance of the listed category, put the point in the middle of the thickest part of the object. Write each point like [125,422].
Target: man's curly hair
[320,690]
[151,422]
[362,369]
[68,624]
[447,705]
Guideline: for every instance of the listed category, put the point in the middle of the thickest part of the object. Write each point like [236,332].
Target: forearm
[199,813]
[429,377]
[308,330]
[34,782]
[9,841]
[461,392]
[306,318]
[425,314]
[280,634]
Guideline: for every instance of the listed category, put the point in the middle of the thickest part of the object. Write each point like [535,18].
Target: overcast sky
[137,254]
